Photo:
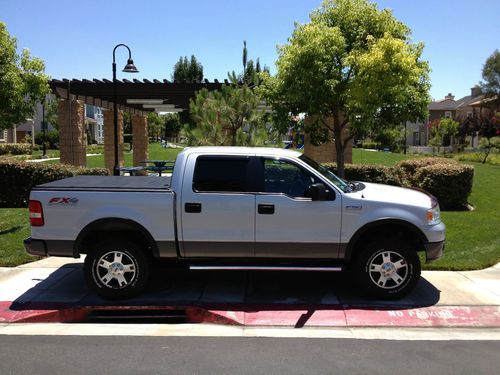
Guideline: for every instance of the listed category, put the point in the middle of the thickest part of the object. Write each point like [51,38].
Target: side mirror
[317,192]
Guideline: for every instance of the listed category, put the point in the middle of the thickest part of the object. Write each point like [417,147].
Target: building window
[3,135]
[447,114]
[469,114]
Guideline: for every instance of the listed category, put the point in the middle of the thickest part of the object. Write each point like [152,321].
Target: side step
[264,268]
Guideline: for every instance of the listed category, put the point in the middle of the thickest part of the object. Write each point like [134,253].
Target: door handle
[192,208]
[266,209]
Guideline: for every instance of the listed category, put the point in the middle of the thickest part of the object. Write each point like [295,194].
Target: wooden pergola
[135,97]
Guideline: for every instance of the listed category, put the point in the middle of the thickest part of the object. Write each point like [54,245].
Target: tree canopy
[23,82]
[230,116]
[352,63]
[491,77]
[188,70]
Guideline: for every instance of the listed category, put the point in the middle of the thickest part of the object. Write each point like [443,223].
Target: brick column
[325,153]
[72,137]
[139,138]
[109,140]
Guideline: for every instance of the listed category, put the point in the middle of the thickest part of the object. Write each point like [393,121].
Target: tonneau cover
[109,183]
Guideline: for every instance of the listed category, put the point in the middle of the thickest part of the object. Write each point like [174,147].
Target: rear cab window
[222,174]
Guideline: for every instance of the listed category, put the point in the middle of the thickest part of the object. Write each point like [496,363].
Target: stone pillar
[109,140]
[140,138]
[325,153]
[72,137]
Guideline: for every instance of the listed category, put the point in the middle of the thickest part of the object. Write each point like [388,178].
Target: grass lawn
[156,152]
[14,228]
[472,239]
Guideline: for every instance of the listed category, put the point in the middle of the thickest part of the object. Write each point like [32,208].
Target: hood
[394,194]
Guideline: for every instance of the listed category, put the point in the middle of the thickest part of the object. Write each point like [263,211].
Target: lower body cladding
[47,247]
[433,251]
[167,249]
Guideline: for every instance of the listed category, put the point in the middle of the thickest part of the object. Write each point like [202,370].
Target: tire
[387,269]
[117,269]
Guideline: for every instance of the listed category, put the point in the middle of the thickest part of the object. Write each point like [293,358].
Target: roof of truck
[231,150]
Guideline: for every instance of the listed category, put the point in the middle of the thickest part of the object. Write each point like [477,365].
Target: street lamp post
[44,130]
[129,68]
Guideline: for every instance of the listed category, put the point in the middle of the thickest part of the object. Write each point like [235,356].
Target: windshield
[341,184]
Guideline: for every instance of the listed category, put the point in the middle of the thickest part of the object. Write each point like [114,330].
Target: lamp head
[130,67]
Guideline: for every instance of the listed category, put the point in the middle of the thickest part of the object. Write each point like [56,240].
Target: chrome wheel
[116,270]
[388,269]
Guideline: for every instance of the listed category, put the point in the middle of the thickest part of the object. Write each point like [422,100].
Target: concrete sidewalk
[53,290]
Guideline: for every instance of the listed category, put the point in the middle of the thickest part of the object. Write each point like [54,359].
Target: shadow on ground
[237,291]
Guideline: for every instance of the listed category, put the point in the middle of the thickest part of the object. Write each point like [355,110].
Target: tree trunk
[339,147]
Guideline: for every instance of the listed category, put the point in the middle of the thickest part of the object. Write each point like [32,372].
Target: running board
[265,268]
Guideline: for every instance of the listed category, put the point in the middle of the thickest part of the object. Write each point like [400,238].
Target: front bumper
[433,251]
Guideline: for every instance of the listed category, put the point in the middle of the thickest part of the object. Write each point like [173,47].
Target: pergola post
[109,140]
[325,153]
[72,136]
[139,138]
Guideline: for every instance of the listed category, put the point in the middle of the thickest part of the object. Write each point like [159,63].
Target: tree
[488,126]
[250,73]
[442,128]
[221,117]
[353,64]
[188,70]
[491,78]
[23,82]
[172,125]
[155,124]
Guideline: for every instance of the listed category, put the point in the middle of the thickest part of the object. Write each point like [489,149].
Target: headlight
[434,215]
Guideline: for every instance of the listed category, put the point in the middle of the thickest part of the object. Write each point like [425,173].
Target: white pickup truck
[231,208]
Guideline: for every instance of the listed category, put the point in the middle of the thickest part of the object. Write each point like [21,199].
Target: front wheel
[387,270]
[117,269]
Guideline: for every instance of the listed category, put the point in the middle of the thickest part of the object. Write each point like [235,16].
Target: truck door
[290,225]
[218,210]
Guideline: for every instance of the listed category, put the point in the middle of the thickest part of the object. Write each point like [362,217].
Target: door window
[287,178]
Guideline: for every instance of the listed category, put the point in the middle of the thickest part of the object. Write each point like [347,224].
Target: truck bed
[109,183]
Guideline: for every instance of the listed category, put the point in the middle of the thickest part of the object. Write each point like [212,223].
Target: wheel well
[123,229]
[385,230]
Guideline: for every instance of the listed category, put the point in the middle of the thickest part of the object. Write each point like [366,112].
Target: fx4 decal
[63,201]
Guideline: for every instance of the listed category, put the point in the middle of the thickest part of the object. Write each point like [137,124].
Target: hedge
[406,169]
[18,178]
[16,148]
[449,181]
[379,174]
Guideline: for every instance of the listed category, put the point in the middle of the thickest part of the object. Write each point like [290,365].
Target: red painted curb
[289,316]
[18,315]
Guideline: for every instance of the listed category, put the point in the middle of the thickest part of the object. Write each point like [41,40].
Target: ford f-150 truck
[232,208]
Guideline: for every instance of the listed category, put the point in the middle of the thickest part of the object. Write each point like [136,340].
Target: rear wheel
[117,269]
[388,269]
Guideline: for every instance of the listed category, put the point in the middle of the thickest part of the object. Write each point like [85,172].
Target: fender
[382,223]
[115,224]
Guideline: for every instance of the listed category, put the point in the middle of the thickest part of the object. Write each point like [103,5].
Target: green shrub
[18,178]
[493,159]
[15,148]
[379,174]
[51,139]
[451,184]
[95,149]
[370,145]
[406,169]
[449,181]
